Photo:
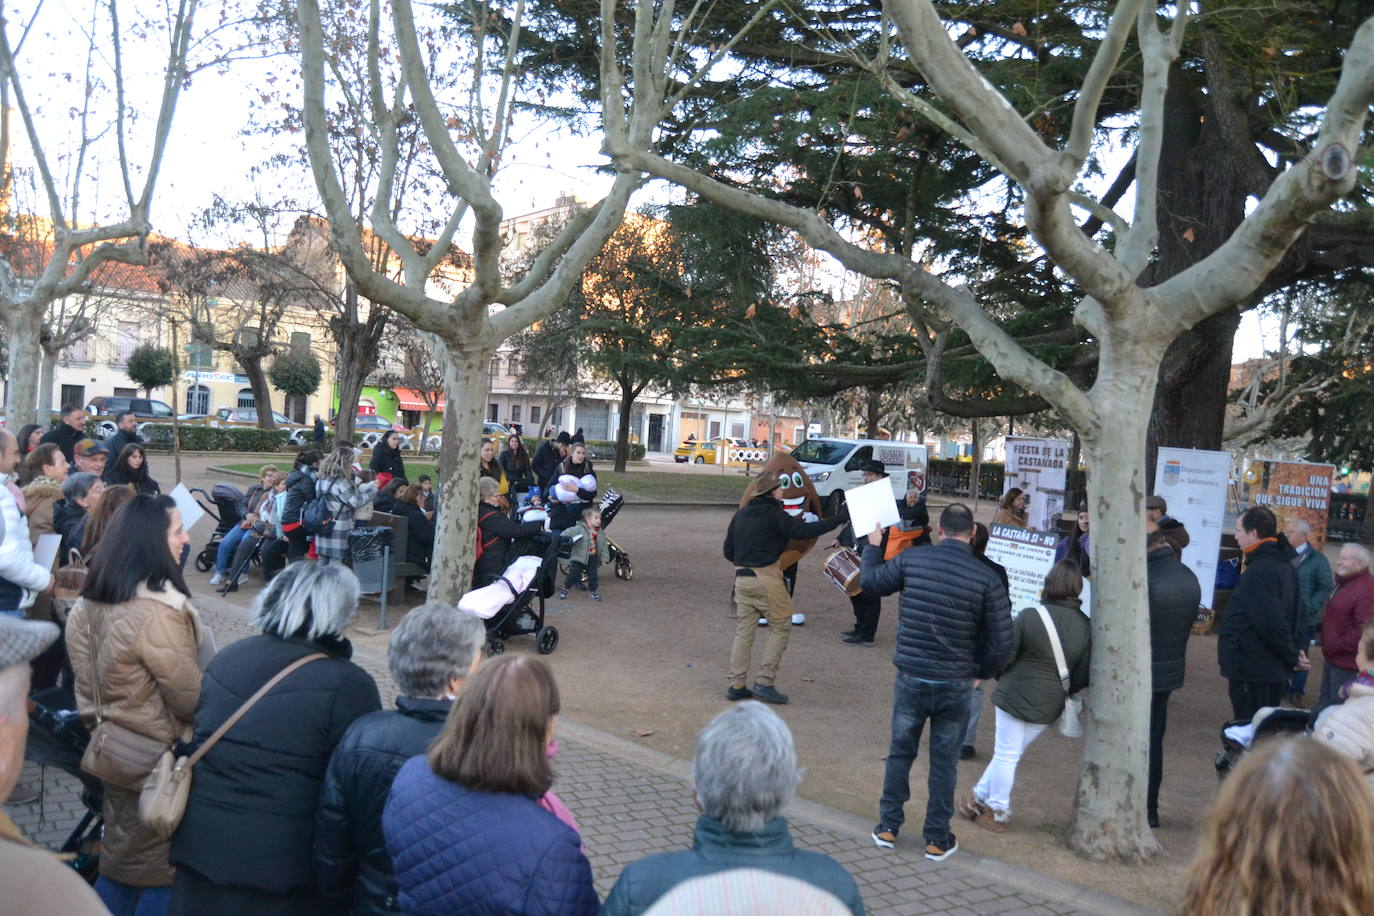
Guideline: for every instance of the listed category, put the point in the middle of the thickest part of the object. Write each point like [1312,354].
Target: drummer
[755,541]
[867,608]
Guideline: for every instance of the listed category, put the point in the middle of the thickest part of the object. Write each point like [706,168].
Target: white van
[833,466]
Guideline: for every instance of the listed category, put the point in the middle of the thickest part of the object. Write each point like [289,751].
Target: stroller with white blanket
[509,604]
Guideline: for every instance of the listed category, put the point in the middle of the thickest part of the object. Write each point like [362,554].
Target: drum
[842,569]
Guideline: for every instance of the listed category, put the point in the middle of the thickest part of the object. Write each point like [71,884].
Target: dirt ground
[648,663]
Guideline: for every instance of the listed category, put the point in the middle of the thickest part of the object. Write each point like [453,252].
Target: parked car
[490,430]
[704,451]
[248,416]
[372,426]
[146,410]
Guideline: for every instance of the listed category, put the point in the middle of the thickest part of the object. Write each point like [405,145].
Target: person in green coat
[1029,694]
[1314,587]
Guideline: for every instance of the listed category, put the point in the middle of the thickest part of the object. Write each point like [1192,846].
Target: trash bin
[366,544]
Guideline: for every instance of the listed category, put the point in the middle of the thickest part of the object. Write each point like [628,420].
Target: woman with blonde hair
[1291,833]
[344,496]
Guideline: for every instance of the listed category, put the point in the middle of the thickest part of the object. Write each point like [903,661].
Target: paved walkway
[631,801]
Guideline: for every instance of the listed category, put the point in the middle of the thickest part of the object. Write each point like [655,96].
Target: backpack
[316,518]
[481,545]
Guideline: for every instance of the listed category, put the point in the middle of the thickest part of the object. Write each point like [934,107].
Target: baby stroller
[1279,722]
[610,504]
[58,739]
[524,614]
[228,511]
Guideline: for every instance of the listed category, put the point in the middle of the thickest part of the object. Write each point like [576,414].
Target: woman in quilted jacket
[465,824]
[134,639]
[1349,727]
[1030,694]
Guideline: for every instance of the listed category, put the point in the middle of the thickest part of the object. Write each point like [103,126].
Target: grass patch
[665,486]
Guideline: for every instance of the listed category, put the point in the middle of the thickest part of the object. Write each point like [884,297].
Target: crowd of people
[446,804]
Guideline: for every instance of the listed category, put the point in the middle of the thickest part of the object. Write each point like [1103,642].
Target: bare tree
[414,362]
[78,247]
[466,141]
[1132,325]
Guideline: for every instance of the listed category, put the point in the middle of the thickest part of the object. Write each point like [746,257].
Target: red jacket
[1349,608]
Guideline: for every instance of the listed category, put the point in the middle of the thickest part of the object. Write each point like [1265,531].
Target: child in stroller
[228,511]
[513,603]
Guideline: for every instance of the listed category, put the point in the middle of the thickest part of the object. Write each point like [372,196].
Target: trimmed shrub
[604,450]
[197,438]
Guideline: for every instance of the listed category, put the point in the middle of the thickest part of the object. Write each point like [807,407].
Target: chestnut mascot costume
[800,500]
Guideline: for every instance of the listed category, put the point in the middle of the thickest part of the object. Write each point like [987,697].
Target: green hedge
[604,450]
[227,439]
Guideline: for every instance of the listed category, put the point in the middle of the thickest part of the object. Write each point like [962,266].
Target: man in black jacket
[868,608]
[1174,598]
[430,654]
[71,430]
[754,543]
[126,433]
[954,631]
[546,460]
[1257,646]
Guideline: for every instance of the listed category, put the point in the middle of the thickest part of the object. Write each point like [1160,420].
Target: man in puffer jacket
[954,627]
[1174,598]
[20,577]
[1349,727]
[1257,645]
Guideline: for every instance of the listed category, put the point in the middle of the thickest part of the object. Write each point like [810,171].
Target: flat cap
[21,640]
[1156,502]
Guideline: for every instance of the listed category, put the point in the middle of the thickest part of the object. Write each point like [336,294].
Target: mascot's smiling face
[797,493]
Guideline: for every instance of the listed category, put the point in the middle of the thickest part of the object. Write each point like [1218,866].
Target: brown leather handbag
[117,755]
[162,803]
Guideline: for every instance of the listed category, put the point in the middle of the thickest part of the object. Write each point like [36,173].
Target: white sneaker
[798,619]
[763,621]
[217,579]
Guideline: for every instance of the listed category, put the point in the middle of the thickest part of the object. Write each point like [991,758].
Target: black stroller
[58,739]
[524,615]
[1280,722]
[610,504]
[228,511]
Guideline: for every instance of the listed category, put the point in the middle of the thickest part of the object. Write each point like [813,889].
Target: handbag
[162,803]
[117,755]
[1069,724]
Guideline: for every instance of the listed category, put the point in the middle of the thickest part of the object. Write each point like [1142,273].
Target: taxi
[705,450]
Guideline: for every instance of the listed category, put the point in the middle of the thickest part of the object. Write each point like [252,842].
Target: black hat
[873,467]
[577,437]
[563,438]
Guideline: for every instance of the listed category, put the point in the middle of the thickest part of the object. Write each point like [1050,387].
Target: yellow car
[704,452]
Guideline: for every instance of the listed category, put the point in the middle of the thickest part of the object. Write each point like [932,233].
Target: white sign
[1039,467]
[188,507]
[871,506]
[1027,557]
[1193,484]
[45,551]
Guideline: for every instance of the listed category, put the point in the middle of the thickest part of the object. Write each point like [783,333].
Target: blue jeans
[946,705]
[127,900]
[227,546]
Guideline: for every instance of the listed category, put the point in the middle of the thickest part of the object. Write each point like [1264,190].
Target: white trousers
[1013,737]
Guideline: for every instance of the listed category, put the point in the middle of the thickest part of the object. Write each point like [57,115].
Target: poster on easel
[1294,489]
[1039,468]
[1193,483]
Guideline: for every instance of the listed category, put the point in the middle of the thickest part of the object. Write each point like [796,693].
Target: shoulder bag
[117,755]
[162,803]
[1069,724]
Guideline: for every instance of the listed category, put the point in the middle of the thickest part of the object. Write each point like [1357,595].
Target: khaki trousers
[763,594]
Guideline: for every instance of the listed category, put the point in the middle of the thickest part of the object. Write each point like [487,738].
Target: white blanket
[487,600]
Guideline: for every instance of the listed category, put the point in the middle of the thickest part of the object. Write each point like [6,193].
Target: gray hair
[434,644]
[1300,524]
[78,485]
[309,599]
[745,769]
[487,487]
[1359,551]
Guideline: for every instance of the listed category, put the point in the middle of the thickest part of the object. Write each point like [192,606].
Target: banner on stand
[1294,489]
[1194,483]
[1027,557]
[1039,467]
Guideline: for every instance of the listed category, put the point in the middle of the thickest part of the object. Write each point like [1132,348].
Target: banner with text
[1294,489]
[1027,557]
[1039,467]
[1193,483]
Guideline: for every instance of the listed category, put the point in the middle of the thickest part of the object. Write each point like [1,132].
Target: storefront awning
[410,399]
